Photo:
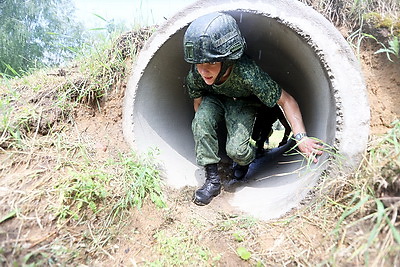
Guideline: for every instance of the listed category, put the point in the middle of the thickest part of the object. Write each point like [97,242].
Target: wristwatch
[299,136]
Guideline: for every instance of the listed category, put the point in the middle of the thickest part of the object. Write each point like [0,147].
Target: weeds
[50,95]
[112,188]
[392,49]
[86,188]
[182,249]
[14,121]
[30,106]
[228,223]
[101,195]
[351,13]
[138,179]
[369,222]
[307,162]
[365,19]
[107,66]
[97,196]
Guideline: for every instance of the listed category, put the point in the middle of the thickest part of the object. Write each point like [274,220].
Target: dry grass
[352,13]
[366,204]
[57,192]
[47,220]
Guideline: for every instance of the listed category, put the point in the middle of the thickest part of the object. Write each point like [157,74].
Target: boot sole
[199,203]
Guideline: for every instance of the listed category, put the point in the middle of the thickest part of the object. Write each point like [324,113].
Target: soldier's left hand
[311,148]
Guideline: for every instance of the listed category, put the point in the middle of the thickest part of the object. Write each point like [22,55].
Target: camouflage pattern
[235,101]
[238,115]
[214,37]
[246,79]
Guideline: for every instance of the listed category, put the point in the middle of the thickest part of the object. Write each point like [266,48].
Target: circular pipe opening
[300,50]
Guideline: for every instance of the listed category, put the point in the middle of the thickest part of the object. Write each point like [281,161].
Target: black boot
[211,187]
[239,172]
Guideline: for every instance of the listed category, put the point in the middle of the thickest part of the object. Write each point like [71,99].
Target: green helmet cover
[213,37]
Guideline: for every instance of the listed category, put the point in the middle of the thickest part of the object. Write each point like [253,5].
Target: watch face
[299,136]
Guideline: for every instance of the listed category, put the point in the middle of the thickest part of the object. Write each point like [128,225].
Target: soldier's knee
[240,155]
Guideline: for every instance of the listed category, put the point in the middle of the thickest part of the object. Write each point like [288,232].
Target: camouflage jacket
[246,79]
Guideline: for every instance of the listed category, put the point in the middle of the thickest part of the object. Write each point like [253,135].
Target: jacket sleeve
[263,86]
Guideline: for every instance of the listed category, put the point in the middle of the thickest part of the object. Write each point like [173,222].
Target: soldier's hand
[311,148]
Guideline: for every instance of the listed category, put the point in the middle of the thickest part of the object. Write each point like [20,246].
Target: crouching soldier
[224,84]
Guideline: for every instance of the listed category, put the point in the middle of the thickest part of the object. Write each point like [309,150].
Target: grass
[184,244]
[181,248]
[86,187]
[393,48]
[365,19]
[359,215]
[102,68]
[37,130]
[351,220]
[108,65]
[368,230]
[81,192]
[87,201]
[107,191]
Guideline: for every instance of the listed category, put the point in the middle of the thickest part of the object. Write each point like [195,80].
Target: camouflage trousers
[238,115]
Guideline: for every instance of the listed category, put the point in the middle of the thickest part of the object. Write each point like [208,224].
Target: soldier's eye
[213,63]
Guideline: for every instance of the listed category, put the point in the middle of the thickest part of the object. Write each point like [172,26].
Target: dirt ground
[210,226]
[383,83]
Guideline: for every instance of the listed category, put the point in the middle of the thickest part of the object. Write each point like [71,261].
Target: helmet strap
[225,65]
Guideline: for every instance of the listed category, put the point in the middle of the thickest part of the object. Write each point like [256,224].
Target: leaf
[348,212]
[382,50]
[97,29]
[12,69]
[243,253]
[395,45]
[100,17]
[395,232]
[10,215]
[238,237]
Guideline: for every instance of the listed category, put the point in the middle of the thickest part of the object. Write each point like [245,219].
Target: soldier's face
[209,71]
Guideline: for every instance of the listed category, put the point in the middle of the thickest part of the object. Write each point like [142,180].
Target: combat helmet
[213,37]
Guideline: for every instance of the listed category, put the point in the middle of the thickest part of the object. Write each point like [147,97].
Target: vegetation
[67,198]
[393,49]
[378,20]
[36,33]
[369,206]
[36,114]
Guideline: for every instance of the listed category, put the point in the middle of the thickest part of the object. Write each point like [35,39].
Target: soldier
[227,86]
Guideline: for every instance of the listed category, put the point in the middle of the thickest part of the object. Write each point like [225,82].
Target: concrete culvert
[301,50]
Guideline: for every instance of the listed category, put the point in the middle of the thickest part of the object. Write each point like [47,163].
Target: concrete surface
[301,50]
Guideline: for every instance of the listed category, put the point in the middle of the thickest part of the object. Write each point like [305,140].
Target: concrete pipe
[301,50]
